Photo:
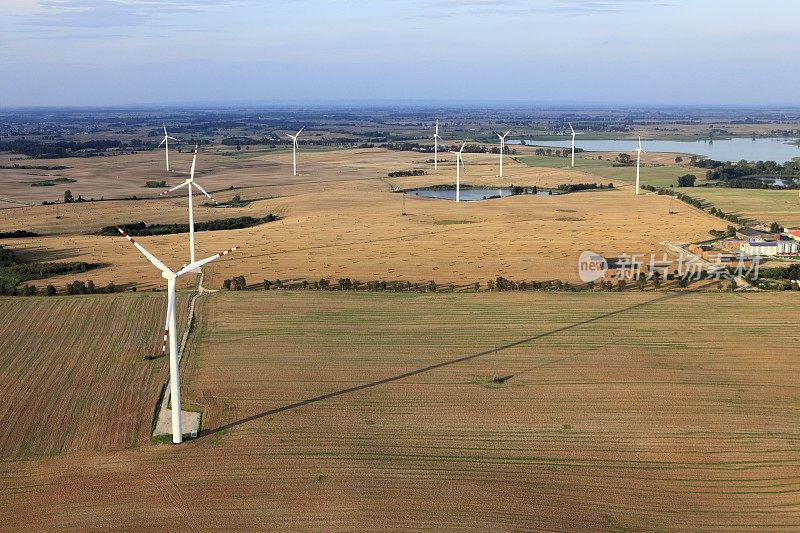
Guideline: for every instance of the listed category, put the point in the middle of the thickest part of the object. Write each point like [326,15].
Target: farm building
[792,233]
[752,234]
[772,248]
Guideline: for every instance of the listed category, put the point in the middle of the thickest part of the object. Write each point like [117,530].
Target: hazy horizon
[127,53]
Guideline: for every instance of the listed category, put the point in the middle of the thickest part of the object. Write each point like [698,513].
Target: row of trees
[16,234]
[70,289]
[699,204]
[140,229]
[407,146]
[56,149]
[13,272]
[556,153]
[499,284]
[406,173]
[573,187]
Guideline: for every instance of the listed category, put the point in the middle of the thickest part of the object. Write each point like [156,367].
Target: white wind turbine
[171,329]
[639,151]
[189,183]
[502,148]
[574,133]
[436,140]
[459,164]
[165,142]
[294,147]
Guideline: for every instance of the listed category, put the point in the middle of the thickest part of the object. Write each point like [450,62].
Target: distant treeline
[573,187]
[566,152]
[16,234]
[141,229]
[751,175]
[498,284]
[429,148]
[57,149]
[17,166]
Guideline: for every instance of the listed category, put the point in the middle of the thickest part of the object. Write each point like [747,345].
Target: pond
[759,149]
[469,195]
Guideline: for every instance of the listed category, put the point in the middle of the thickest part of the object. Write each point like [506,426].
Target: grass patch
[452,222]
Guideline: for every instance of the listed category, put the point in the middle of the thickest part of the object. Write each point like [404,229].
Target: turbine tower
[174,357]
[502,148]
[459,164]
[165,142]
[436,140]
[189,183]
[294,147]
[574,133]
[638,160]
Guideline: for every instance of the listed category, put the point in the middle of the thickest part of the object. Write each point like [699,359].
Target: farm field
[759,204]
[616,411]
[663,175]
[73,373]
[341,219]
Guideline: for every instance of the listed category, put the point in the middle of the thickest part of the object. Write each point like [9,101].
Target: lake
[759,149]
[467,195]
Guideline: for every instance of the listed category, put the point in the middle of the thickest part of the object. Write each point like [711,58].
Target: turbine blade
[165,129]
[299,132]
[153,259]
[570,127]
[198,264]
[202,190]
[463,145]
[504,136]
[173,138]
[162,142]
[175,188]
[194,161]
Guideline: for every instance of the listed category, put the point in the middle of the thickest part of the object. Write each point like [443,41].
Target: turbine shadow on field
[442,364]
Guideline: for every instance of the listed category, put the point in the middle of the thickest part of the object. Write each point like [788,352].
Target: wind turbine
[171,329]
[189,183]
[165,142]
[294,147]
[459,164]
[502,148]
[436,140]
[638,160]
[574,133]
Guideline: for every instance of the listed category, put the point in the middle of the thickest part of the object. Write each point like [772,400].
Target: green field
[606,171]
[758,204]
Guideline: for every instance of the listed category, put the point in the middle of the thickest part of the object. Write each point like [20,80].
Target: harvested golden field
[341,219]
[378,411]
[73,374]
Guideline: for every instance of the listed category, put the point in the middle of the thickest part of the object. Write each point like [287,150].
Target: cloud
[576,7]
[112,13]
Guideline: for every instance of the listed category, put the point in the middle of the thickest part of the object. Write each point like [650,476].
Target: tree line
[13,272]
[141,229]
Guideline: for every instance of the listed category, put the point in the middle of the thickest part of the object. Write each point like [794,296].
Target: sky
[621,52]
